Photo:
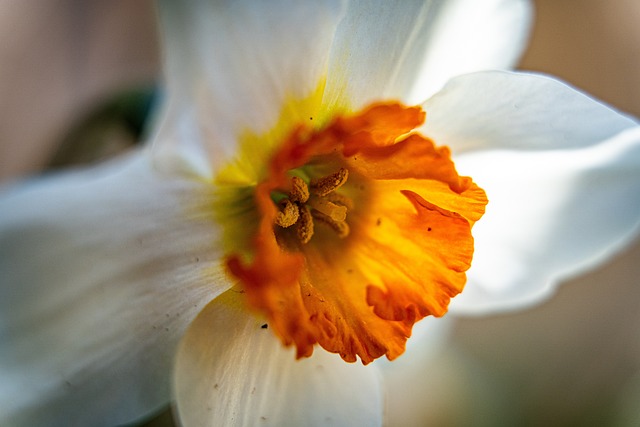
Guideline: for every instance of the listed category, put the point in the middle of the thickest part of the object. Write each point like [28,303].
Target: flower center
[394,202]
[317,201]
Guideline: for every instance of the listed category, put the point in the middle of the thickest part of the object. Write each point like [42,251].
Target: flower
[108,269]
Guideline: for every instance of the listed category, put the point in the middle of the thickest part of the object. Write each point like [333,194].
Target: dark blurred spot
[106,131]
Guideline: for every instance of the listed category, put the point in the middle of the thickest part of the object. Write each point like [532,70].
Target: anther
[299,190]
[323,186]
[304,228]
[288,215]
[316,200]
[341,228]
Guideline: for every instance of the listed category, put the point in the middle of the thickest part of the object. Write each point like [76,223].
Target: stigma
[318,201]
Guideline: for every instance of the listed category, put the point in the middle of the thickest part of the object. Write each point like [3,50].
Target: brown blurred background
[74,87]
[62,63]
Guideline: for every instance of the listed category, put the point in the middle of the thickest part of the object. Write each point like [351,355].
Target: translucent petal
[102,271]
[551,214]
[517,111]
[472,35]
[231,370]
[230,66]
[415,383]
[406,50]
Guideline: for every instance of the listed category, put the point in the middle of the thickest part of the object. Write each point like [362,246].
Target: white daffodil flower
[289,196]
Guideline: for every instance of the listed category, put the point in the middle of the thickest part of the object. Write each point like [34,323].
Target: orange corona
[364,229]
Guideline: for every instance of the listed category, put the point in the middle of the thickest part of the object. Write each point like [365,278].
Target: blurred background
[76,83]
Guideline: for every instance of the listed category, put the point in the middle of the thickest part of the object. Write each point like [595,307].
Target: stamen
[340,200]
[340,227]
[288,215]
[305,225]
[336,212]
[317,200]
[323,186]
[299,190]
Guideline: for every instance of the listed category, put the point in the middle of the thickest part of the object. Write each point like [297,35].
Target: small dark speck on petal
[429,229]
[265,326]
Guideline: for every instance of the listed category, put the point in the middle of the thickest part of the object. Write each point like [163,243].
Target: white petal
[412,381]
[230,65]
[102,270]
[551,214]
[472,35]
[504,110]
[428,336]
[408,49]
[431,384]
[231,371]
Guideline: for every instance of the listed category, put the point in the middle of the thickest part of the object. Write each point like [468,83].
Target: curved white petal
[230,66]
[472,35]
[102,270]
[411,381]
[427,381]
[232,371]
[408,49]
[506,110]
[551,213]
[428,336]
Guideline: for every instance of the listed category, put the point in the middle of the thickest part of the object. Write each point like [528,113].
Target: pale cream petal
[230,66]
[517,111]
[469,36]
[231,370]
[407,49]
[561,173]
[426,382]
[102,270]
[551,214]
